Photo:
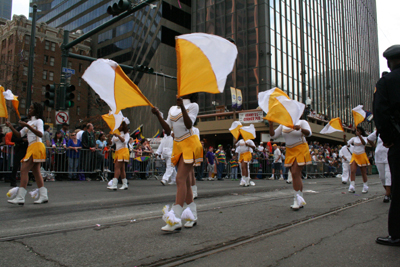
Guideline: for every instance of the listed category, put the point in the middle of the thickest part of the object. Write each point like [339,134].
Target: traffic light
[118,8]
[50,95]
[145,69]
[69,96]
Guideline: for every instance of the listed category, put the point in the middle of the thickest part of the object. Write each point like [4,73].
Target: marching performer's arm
[33,130]
[163,123]
[271,128]
[9,125]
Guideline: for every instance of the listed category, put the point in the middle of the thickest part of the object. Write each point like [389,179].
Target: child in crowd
[234,168]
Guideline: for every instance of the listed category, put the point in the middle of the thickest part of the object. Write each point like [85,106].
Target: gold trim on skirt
[121,154]
[37,151]
[361,159]
[299,153]
[190,148]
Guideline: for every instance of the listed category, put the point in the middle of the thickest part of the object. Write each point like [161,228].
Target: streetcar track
[130,221]
[208,251]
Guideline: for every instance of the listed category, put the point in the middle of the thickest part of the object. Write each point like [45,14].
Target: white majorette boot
[190,215]
[352,187]
[112,185]
[242,181]
[43,198]
[194,190]
[19,198]
[302,202]
[365,188]
[172,218]
[247,181]
[298,201]
[124,184]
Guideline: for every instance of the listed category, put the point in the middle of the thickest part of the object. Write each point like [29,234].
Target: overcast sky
[388,23]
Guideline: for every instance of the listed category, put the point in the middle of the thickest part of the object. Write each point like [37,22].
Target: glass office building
[5,9]
[324,50]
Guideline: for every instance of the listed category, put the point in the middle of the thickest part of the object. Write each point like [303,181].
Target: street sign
[67,75]
[66,70]
[62,117]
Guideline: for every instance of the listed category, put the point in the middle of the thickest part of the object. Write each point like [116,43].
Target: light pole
[31,58]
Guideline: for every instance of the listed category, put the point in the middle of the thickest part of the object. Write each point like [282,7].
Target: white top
[243,148]
[359,148]
[196,131]
[37,124]
[165,147]
[346,151]
[260,148]
[381,152]
[277,153]
[293,137]
[118,144]
[175,119]
[79,135]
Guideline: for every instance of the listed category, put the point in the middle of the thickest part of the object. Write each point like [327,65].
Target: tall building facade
[323,50]
[5,9]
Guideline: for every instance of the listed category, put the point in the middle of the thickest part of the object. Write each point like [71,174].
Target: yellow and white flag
[3,106]
[358,114]
[110,82]
[113,121]
[204,62]
[236,125]
[280,108]
[248,132]
[8,95]
[335,125]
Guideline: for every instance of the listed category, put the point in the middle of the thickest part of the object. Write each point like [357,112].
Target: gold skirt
[245,157]
[122,154]
[299,153]
[361,159]
[190,149]
[37,151]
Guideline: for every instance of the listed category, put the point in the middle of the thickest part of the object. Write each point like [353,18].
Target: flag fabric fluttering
[204,62]
[234,129]
[157,135]
[3,106]
[358,114]
[280,108]
[8,95]
[113,121]
[138,131]
[110,82]
[248,132]
[335,125]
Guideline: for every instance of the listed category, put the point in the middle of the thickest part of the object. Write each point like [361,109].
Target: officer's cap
[392,52]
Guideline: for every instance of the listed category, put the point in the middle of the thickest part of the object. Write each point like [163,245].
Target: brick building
[14,57]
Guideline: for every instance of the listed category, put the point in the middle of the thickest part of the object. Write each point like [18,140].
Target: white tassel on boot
[300,200]
[124,184]
[295,205]
[34,193]
[172,218]
[114,183]
[12,192]
[43,198]
[190,215]
[20,197]
[194,190]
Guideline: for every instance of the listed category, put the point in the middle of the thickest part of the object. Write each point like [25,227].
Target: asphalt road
[84,224]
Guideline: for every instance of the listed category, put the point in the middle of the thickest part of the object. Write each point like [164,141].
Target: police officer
[387,120]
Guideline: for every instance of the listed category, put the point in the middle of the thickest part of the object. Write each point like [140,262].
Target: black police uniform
[386,115]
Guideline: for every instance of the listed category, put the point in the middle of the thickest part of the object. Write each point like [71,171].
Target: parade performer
[165,151]
[345,154]
[196,131]
[35,154]
[359,158]
[186,151]
[244,147]
[297,154]
[120,140]
[381,162]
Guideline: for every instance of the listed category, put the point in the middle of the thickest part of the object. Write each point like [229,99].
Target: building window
[51,61]
[80,67]
[48,109]
[78,110]
[24,85]
[48,120]
[78,97]
[25,71]
[69,64]
[46,59]
[22,103]
[79,81]
[47,45]
[53,46]
[11,39]
[1,74]
[44,75]
[43,90]
[27,39]
[51,75]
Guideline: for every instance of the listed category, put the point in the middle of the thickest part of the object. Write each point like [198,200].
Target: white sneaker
[172,183]
[163,182]
[352,189]
[365,189]
[280,179]
[271,178]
